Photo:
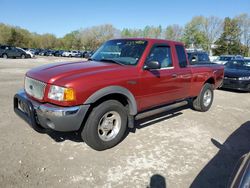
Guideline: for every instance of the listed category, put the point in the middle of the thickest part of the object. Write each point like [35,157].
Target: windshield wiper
[111,61]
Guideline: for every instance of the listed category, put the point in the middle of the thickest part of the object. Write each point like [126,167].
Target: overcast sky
[60,16]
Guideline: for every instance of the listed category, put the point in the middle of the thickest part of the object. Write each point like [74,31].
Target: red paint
[149,91]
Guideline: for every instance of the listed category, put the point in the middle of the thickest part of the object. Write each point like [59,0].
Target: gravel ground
[181,148]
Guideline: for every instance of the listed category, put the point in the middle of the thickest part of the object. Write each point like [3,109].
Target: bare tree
[244,24]
[212,28]
[173,32]
[93,37]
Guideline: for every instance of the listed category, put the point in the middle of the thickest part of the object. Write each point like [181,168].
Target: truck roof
[151,40]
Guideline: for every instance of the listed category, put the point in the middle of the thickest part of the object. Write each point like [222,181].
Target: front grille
[35,88]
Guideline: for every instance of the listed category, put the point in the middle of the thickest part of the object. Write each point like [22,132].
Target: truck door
[184,75]
[159,86]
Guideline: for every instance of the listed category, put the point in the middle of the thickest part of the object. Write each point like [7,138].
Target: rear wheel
[23,56]
[205,99]
[106,125]
[5,56]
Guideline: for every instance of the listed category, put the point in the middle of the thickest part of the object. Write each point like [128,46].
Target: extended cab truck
[123,78]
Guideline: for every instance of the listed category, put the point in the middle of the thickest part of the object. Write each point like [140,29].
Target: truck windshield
[122,51]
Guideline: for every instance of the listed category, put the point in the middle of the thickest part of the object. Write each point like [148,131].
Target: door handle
[174,75]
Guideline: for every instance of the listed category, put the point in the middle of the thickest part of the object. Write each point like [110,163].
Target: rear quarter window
[181,56]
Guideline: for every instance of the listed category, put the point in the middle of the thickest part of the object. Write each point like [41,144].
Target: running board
[160,110]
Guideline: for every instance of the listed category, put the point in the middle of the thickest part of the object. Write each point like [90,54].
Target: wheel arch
[115,92]
[210,80]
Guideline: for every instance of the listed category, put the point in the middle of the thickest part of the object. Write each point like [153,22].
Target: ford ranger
[123,78]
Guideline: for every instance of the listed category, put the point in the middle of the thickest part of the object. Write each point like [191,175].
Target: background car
[49,53]
[2,49]
[81,54]
[13,52]
[28,52]
[89,54]
[70,53]
[58,53]
[223,59]
[237,75]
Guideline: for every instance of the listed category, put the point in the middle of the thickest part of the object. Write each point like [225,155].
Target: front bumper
[49,116]
[242,85]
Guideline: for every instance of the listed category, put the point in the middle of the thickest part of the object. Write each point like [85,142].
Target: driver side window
[162,54]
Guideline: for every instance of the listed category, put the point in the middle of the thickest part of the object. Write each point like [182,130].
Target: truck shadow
[158,117]
[139,124]
[62,136]
[218,170]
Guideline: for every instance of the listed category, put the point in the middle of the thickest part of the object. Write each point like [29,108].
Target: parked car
[46,52]
[241,175]
[29,53]
[37,51]
[70,53]
[49,53]
[13,52]
[32,51]
[58,53]
[3,48]
[123,78]
[42,52]
[81,54]
[89,54]
[198,57]
[223,59]
[237,75]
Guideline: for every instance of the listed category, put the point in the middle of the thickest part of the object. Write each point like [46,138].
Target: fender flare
[115,90]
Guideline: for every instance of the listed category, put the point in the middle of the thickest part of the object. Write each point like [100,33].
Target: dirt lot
[179,149]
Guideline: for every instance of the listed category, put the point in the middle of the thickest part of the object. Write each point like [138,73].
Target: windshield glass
[124,51]
[225,58]
[238,65]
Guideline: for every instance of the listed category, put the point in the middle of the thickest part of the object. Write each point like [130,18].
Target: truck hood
[54,72]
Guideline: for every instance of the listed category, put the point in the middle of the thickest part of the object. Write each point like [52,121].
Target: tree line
[222,36]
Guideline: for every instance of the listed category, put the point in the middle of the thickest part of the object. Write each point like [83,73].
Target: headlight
[61,93]
[245,78]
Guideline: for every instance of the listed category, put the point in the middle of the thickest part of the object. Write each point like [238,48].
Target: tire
[204,101]
[70,55]
[5,56]
[22,56]
[108,115]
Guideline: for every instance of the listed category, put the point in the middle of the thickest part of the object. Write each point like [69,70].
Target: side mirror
[194,59]
[151,65]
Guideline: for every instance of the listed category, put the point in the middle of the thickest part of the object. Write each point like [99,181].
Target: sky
[60,17]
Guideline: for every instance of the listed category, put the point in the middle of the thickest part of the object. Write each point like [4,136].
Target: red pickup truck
[123,78]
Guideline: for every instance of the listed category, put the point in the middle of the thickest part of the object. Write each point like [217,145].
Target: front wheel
[106,125]
[22,56]
[205,99]
[5,56]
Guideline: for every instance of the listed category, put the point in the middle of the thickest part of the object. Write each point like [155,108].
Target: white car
[70,53]
[27,52]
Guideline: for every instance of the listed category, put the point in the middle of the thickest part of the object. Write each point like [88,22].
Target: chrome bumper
[47,115]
